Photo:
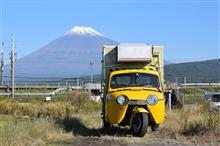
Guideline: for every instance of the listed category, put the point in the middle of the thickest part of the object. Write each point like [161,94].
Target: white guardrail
[201,84]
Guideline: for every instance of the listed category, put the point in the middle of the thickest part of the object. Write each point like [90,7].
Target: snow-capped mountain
[67,56]
[81,30]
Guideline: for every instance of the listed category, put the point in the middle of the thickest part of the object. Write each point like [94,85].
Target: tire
[106,125]
[140,124]
[154,127]
[108,128]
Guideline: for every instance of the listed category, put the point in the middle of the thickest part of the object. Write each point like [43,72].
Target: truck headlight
[122,100]
[152,99]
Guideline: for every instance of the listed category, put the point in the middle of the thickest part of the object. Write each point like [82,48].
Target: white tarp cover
[134,53]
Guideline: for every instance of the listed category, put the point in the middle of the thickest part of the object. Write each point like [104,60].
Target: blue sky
[188,29]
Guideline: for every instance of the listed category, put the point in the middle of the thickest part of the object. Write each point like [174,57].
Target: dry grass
[24,131]
[33,123]
[76,103]
[192,120]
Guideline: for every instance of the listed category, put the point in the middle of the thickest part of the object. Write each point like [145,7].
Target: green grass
[194,95]
[199,90]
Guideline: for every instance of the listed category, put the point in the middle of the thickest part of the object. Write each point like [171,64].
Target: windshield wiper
[152,89]
[123,89]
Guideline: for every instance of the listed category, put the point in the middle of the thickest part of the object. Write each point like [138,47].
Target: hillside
[67,56]
[202,71]
[78,51]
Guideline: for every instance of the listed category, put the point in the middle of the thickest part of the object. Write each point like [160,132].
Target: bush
[192,120]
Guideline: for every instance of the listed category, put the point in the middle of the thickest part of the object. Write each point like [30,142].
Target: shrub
[76,102]
[192,120]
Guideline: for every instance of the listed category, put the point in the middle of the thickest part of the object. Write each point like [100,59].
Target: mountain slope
[67,56]
[202,71]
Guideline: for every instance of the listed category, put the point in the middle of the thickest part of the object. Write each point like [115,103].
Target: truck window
[121,80]
[135,80]
[216,98]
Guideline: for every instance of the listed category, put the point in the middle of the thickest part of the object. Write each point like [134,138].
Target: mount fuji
[67,56]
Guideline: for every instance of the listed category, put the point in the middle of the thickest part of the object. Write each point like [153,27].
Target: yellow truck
[132,87]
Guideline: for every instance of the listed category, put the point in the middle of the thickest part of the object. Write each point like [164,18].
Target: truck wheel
[154,127]
[140,124]
[106,125]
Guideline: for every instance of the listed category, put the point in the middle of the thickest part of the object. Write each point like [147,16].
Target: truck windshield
[135,80]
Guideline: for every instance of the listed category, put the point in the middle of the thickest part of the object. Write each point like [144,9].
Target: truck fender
[135,111]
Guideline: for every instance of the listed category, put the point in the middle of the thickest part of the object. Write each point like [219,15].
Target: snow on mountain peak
[81,30]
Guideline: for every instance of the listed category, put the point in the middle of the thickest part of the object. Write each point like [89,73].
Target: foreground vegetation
[192,120]
[71,103]
[38,122]
[26,131]
[73,115]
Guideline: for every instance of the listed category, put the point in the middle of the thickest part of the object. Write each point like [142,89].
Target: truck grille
[137,102]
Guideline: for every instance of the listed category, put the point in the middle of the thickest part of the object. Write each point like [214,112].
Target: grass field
[195,95]
[73,119]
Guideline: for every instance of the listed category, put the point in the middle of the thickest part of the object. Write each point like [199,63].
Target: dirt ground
[130,141]
[83,136]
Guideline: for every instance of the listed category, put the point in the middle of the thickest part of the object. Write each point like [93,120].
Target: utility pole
[78,84]
[176,81]
[177,88]
[2,64]
[168,87]
[185,89]
[91,76]
[12,67]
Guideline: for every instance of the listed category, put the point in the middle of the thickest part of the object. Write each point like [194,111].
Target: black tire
[106,125]
[140,124]
[155,127]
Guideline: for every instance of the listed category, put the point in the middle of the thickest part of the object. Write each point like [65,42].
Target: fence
[189,90]
[192,90]
[50,82]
